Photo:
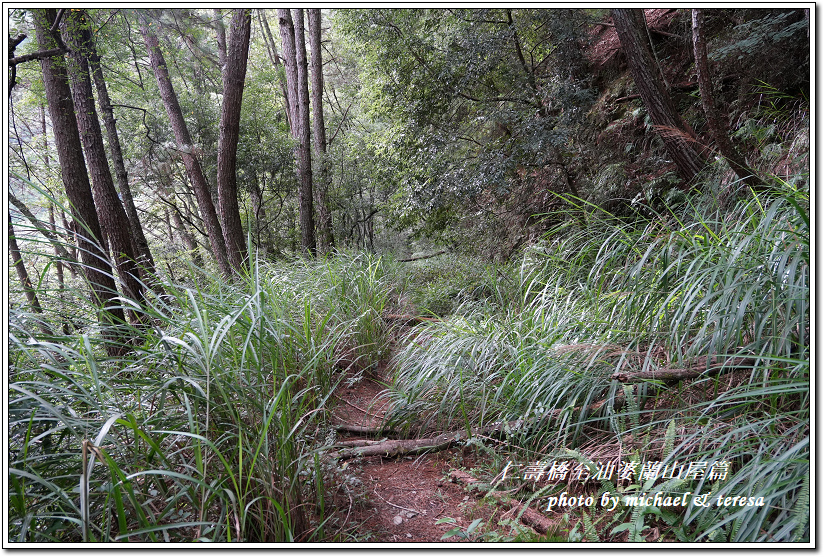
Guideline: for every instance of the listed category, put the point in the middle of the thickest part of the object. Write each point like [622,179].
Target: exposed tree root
[675,375]
[528,516]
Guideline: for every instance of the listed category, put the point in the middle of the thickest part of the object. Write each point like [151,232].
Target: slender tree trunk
[294,50]
[221,41]
[256,196]
[71,245]
[58,261]
[325,237]
[305,160]
[287,37]
[23,275]
[109,209]
[184,233]
[272,49]
[234,74]
[76,181]
[186,147]
[61,279]
[630,23]
[715,121]
[141,245]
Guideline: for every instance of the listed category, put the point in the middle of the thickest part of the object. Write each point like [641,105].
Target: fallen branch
[528,516]
[401,447]
[418,258]
[673,375]
[362,430]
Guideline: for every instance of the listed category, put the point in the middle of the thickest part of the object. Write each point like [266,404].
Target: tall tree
[96,266]
[234,74]
[186,147]
[321,186]
[715,120]
[109,209]
[221,40]
[272,50]
[631,25]
[294,52]
[141,245]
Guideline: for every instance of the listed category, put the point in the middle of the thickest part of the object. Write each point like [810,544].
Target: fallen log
[399,447]
[418,258]
[358,443]
[674,375]
[362,429]
[528,516]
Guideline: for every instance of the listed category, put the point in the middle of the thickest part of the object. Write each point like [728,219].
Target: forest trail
[400,499]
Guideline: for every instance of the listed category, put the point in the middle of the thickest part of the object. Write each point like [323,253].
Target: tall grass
[207,428]
[668,292]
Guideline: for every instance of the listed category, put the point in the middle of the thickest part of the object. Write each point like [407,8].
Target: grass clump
[207,428]
[677,290]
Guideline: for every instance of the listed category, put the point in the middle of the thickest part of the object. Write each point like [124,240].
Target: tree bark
[234,74]
[287,38]
[715,121]
[96,266]
[294,51]
[271,48]
[630,24]
[186,147]
[141,245]
[109,209]
[221,41]
[325,237]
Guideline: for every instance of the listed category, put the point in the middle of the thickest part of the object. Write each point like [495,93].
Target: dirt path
[401,499]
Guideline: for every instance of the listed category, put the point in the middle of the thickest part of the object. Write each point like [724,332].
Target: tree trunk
[141,245]
[234,74]
[23,275]
[271,48]
[186,147]
[76,181]
[630,24]
[715,121]
[109,209]
[325,237]
[287,38]
[294,50]
[61,281]
[59,251]
[221,42]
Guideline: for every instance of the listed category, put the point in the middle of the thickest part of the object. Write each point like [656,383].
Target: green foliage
[695,284]
[477,95]
[206,429]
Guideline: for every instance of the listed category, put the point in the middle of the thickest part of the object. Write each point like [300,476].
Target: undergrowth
[207,428]
[678,290]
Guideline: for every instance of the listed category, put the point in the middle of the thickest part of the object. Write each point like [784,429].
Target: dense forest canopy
[275,180]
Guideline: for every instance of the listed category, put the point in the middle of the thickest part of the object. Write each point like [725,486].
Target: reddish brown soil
[400,500]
